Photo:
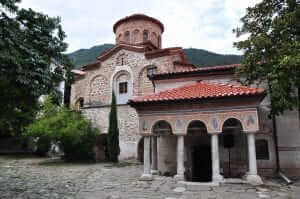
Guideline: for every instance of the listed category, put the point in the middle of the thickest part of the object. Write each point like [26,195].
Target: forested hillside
[198,57]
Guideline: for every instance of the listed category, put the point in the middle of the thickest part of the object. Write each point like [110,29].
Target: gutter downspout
[275,135]
[278,169]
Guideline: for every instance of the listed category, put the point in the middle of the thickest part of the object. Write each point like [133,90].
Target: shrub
[113,132]
[69,129]
[43,145]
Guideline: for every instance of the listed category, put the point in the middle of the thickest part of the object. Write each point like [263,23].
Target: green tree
[113,132]
[29,43]
[69,129]
[272,50]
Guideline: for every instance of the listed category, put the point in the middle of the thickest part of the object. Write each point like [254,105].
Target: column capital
[180,134]
[250,132]
[214,132]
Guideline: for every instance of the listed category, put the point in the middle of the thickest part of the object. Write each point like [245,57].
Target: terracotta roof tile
[202,69]
[199,90]
[136,17]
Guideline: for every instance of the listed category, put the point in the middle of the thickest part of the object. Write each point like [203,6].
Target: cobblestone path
[35,178]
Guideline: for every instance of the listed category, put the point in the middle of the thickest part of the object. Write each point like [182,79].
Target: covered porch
[200,140]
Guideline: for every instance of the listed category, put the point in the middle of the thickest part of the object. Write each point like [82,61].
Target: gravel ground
[31,177]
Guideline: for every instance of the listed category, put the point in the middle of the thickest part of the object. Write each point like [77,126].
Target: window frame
[123,88]
[127,36]
[145,35]
[151,70]
[262,149]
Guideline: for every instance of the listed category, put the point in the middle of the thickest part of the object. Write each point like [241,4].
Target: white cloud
[194,23]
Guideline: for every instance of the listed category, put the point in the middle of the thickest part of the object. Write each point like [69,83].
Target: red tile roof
[164,52]
[202,69]
[137,17]
[199,90]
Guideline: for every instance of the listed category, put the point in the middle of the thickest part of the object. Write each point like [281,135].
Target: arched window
[135,36]
[118,38]
[153,38]
[79,103]
[162,128]
[145,35]
[151,70]
[122,87]
[127,37]
[262,149]
[159,41]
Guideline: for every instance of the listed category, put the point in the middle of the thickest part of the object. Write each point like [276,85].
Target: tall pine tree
[113,132]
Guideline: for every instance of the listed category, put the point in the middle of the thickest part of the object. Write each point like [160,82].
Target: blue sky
[188,23]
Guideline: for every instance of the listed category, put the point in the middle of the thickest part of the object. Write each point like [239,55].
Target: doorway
[202,166]
[198,163]
[234,150]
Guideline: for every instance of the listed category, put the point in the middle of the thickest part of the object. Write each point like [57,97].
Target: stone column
[180,158]
[147,176]
[154,170]
[216,176]
[252,176]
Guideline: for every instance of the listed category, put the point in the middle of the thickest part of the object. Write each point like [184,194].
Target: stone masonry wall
[136,29]
[96,86]
[129,135]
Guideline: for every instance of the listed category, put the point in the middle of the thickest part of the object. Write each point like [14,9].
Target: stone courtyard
[32,177]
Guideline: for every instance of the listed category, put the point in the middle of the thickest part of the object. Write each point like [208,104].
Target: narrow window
[262,149]
[81,103]
[123,87]
[151,70]
[127,37]
[145,35]
[159,41]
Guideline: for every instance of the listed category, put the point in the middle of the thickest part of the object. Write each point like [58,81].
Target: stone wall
[103,74]
[96,85]
[128,126]
[288,129]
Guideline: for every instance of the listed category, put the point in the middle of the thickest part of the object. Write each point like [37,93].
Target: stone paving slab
[32,178]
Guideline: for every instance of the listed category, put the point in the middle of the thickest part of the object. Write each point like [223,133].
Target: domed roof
[135,17]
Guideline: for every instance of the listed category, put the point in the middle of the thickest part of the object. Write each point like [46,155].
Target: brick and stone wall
[133,32]
[96,85]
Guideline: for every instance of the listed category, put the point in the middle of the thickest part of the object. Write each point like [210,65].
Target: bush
[43,145]
[69,129]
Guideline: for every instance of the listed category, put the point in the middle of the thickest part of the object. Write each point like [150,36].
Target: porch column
[147,176]
[154,170]
[180,158]
[252,176]
[216,176]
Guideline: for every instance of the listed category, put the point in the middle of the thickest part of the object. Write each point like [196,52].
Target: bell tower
[137,29]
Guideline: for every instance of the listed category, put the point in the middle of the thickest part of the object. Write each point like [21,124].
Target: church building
[197,124]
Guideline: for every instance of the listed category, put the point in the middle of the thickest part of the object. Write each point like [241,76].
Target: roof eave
[258,96]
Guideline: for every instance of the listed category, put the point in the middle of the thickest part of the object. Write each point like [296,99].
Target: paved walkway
[43,178]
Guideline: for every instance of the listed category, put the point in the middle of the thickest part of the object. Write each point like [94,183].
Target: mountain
[201,57]
[84,56]
[198,57]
